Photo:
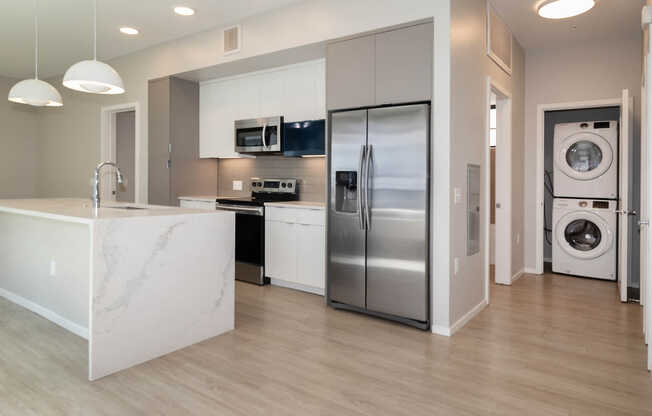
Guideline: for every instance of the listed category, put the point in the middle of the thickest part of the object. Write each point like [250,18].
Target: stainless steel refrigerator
[379,212]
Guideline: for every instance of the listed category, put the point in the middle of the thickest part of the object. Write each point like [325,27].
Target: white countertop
[204,198]
[81,210]
[297,204]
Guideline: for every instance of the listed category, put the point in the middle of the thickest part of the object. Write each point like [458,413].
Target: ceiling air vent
[499,40]
[232,38]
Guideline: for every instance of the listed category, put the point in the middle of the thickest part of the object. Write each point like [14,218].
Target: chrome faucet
[96,181]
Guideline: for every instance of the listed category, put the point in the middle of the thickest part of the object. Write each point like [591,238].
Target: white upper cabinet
[297,92]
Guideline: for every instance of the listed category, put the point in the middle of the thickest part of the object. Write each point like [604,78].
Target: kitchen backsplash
[310,173]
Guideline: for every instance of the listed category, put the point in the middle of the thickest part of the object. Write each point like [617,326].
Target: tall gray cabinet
[391,67]
[173,164]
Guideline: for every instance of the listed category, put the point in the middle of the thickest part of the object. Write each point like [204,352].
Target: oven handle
[239,209]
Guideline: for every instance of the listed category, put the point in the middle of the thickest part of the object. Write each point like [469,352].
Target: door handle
[644,222]
[359,186]
[625,212]
[366,186]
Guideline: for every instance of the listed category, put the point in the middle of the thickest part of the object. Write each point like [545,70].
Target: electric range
[250,224]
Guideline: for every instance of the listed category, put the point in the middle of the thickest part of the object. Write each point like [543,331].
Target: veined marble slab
[157,282]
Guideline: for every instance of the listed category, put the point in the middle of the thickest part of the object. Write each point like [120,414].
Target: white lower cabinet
[295,248]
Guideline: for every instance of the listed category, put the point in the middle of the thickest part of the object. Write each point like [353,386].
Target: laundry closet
[589,192]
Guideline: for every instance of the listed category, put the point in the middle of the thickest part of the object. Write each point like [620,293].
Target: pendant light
[93,76]
[34,91]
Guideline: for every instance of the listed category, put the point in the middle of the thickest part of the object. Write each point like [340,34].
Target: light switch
[53,268]
[457,195]
[237,185]
[456,265]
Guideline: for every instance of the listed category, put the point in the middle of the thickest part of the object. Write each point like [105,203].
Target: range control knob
[289,185]
[283,185]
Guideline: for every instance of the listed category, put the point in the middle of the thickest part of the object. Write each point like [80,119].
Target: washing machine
[584,237]
[586,160]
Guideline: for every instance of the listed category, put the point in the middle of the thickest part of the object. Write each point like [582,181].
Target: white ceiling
[66,31]
[608,20]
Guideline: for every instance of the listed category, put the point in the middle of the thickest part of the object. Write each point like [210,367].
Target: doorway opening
[497,201]
[120,143]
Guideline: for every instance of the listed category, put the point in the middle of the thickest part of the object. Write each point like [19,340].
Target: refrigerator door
[397,199]
[346,234]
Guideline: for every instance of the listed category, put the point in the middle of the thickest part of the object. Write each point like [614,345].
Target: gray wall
[470,67]
[590,71]
[19,146]
[311,173]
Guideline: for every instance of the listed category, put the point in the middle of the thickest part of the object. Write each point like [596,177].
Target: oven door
[259,135]
[249,243]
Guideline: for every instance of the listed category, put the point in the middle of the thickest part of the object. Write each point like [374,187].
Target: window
[492,126]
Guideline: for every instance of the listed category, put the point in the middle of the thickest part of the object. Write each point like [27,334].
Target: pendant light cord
[35,40]
[95,30]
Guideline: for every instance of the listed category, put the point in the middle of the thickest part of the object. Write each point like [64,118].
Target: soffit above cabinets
[608,20]
[66,28]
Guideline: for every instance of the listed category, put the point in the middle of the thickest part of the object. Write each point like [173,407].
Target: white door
[503,241]
[626,131]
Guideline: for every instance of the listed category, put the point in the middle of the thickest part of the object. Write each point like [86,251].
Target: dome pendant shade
[93,77]
[35,92]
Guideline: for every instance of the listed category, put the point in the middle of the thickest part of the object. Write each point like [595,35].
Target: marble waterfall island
[137,281]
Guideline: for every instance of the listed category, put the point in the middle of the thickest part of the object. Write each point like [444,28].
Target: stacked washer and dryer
[584,215]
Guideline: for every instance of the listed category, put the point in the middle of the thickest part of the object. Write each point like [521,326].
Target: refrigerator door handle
[366,186]
[359,187]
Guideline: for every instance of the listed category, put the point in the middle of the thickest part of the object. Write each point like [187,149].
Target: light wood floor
[549,345]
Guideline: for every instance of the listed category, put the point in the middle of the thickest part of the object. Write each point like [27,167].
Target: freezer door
[397,199]
[346,234]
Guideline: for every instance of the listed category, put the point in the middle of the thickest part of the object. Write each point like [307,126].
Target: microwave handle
[264,138]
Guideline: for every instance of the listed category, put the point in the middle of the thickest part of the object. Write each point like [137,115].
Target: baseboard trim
[518,275]
[441,330]
[298,286]
[45,313]
[459,324]
[530,270]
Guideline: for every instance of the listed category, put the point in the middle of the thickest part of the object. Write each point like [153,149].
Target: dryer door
[584,156]
[584,235]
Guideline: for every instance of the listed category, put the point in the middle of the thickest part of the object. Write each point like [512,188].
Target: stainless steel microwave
[259,135]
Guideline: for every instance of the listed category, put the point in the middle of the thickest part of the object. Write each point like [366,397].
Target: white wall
[576,73]
[18,146]
[71,136]
[470,68]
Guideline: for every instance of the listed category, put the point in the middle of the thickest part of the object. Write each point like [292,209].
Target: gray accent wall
[125,138]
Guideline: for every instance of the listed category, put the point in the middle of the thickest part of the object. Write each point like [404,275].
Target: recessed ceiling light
[129,30]
[184,11]
[562,9]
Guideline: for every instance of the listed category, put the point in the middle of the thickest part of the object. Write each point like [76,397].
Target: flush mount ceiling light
[93,76]
[129,30]
[34,91]
[184,11]
[562,9]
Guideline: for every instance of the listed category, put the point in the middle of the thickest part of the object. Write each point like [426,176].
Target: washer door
[584,235]
[584,156]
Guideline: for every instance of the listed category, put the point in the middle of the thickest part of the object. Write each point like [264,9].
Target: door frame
[540,154]
[504,174]
[108,144]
